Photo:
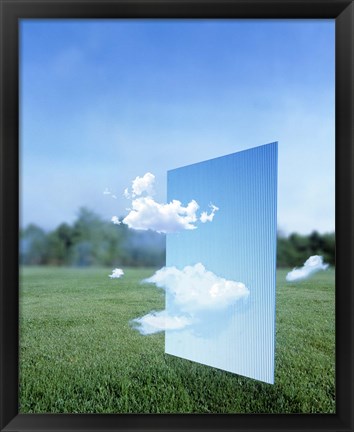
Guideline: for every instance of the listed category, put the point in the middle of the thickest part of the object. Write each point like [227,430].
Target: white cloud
[116,273]
[155,322]
[195,289]
[108,192]
[126,193]
[311,266]
[115,220]
[143,184]
[192,292]
[205,217]
[146,214]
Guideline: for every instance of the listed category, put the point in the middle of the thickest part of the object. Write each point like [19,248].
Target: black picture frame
[14,10]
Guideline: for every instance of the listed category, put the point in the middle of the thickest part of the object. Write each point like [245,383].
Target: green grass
[78,353]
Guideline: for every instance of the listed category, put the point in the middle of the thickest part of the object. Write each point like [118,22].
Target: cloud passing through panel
[220,278]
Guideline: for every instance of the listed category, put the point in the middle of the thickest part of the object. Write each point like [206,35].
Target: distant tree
[145,248]
[33,245]
[97,242]
[294,250]
[112,251]
[329,246]
[287,255]
[86,238]
[316,242]
[60,244]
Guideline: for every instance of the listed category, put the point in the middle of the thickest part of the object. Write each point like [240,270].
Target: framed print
[176,226]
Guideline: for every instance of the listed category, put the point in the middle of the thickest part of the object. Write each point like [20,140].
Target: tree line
[92,241]
[293,251]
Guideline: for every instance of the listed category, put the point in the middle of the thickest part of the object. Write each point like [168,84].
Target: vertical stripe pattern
[238,245]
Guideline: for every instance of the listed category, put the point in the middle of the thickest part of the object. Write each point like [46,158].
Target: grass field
[78,353]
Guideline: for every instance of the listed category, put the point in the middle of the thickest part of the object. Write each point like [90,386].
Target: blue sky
[239,245]
[105,101]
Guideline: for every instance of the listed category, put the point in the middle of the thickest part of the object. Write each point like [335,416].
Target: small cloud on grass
[116,273]
[311,266]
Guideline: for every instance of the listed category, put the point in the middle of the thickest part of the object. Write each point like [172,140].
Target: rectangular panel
[236,334]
